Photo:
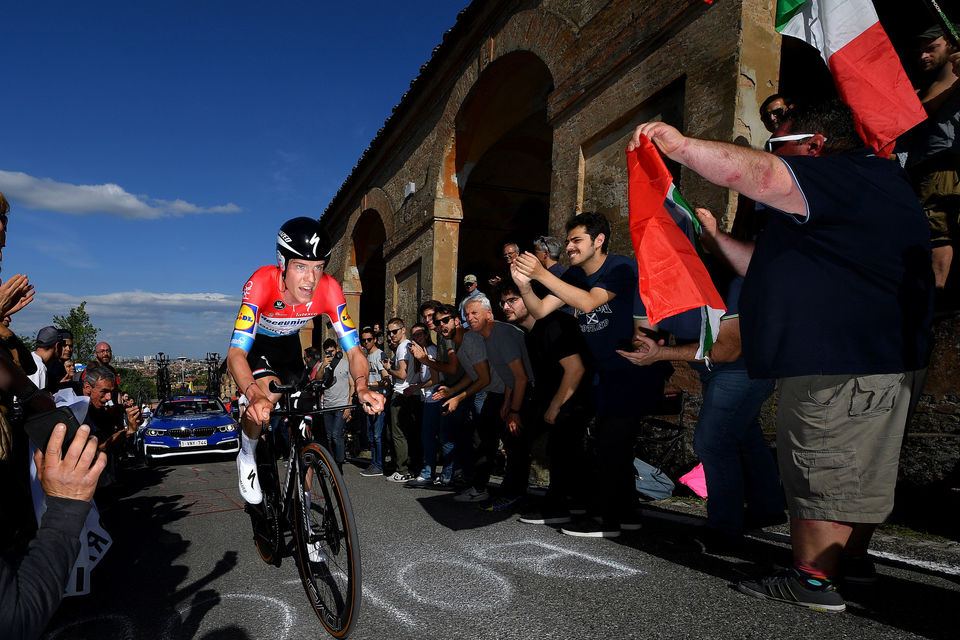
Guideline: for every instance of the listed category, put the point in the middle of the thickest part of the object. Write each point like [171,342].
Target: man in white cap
[470,284]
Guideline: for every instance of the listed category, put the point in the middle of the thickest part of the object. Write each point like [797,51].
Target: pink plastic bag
[695,480]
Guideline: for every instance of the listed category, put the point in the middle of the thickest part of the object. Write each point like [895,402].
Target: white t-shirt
[401,354]
[40,377]
[427,392]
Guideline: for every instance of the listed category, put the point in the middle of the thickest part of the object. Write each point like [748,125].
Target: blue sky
[150,150]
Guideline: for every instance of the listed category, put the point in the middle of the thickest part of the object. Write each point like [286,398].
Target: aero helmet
[302,238]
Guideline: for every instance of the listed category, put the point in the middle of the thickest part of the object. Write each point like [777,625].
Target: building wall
[613,64]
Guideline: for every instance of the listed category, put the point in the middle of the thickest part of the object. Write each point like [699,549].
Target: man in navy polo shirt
[836,305]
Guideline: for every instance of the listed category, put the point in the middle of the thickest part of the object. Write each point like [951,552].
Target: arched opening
[368,238]
[503,162]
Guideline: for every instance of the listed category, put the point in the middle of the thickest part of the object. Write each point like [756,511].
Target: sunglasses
[508,301]
[775,143]
[777,113]
[394,332]
[418,334]
[368,339]
[330,353]
[444,320]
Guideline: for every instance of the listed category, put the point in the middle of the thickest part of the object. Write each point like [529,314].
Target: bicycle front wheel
[327,542]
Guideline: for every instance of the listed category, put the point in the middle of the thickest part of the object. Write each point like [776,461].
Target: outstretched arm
[756,174]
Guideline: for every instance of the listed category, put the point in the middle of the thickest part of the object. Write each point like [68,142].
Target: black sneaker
[546,517]
[792,587]
[858,570]
[591,529]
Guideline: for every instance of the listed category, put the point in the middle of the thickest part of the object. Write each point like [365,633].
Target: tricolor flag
[672,276]
[864,65]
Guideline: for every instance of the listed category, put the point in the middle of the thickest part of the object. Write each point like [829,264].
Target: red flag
[673,279]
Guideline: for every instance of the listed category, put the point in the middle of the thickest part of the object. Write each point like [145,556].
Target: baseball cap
[932,33]
[470,278]
[47,337]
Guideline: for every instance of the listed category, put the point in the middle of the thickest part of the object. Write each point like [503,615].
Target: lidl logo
[345,317]
[246,318]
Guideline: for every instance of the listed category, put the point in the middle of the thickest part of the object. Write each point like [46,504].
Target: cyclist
[277,302]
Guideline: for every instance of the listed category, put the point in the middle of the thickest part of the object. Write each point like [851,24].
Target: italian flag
[665,237]
[864,65]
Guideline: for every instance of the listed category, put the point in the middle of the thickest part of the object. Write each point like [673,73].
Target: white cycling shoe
[249,479]
[316,554]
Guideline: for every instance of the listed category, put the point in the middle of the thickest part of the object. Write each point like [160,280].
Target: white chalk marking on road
[124,625]
[402,616]
[541,562]
[289,615]
[496,592]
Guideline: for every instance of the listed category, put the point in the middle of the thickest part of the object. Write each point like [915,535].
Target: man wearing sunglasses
[836,306]
[404,419]
[378,381]
[775,110]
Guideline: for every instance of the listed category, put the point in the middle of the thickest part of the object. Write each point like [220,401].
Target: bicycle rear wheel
[327,543]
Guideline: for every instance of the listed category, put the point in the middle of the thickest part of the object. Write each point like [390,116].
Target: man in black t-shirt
[560,400]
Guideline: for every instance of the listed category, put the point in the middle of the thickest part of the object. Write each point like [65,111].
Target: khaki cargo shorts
[939,194]
[838,443]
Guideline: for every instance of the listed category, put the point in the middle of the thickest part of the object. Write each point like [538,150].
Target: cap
[469,279]
[934,32]
[47,337]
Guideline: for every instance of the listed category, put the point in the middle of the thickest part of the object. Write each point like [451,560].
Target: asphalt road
[183,566]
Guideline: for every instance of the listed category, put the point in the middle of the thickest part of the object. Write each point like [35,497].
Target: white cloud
[143,322]
[82,199]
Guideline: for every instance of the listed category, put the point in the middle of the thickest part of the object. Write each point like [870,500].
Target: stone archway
[369,267]
[502,161]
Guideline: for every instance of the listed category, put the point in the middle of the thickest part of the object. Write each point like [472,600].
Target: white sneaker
[315,552]
[472,495]
[249,479]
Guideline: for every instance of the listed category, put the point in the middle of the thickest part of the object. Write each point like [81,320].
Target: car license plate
[193,443]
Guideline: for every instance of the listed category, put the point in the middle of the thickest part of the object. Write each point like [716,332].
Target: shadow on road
[910,605]
[138,590]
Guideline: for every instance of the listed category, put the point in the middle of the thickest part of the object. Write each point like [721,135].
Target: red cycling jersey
[264,313]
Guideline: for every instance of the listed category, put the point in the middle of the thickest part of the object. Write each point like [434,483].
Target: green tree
[138,385]
[77,322]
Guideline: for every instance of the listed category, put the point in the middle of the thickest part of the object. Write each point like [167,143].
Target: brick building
[520,118]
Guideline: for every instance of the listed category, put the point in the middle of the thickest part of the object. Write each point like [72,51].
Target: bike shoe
[249,480]
[316,554]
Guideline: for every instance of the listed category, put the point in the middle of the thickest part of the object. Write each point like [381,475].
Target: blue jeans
[736,460]
[334,425]
[374,433]
[455,444]
[430,427]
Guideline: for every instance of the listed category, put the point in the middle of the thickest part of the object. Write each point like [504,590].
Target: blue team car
[185,425]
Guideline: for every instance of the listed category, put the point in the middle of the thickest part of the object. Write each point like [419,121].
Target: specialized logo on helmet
[246,318]
[345,317]
[314,241]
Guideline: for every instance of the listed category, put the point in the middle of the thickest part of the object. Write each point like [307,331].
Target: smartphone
[39,427]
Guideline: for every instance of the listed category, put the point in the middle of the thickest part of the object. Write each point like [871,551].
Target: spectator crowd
[829,280]
[830,276]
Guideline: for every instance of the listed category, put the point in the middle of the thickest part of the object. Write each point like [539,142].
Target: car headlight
[227,428]
[156,432]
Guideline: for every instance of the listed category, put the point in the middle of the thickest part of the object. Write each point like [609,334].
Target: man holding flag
[836,306]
